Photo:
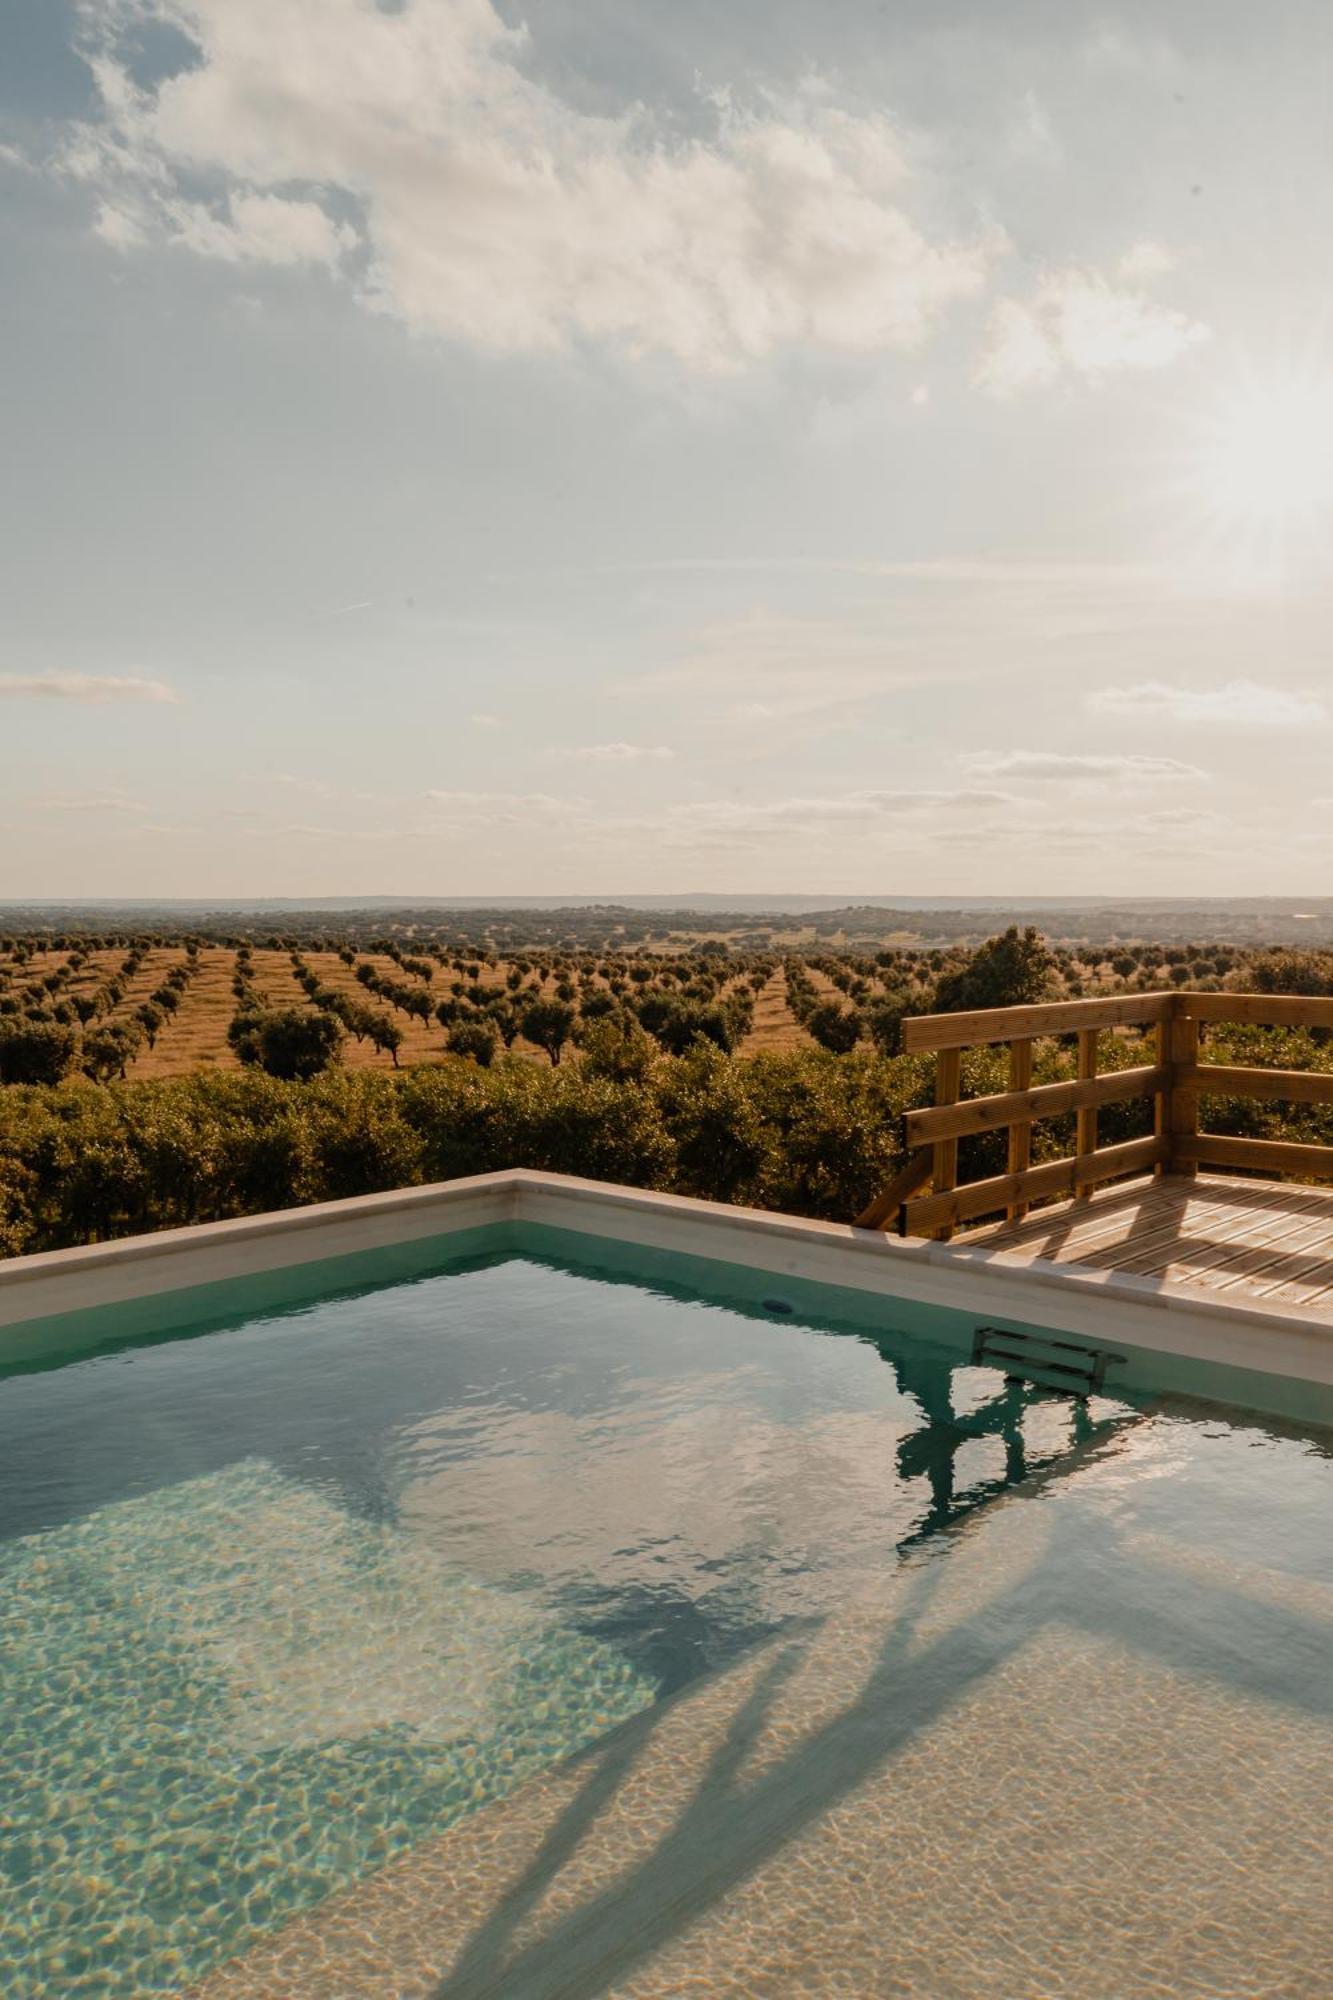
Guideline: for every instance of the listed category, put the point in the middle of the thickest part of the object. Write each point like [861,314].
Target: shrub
[35,1051]
[477,1038]
[835,1027]
[291,1042]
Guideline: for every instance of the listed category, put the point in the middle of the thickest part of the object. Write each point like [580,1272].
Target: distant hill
[1252,921]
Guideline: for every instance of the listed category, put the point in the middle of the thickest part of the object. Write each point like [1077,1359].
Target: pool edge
[1109,1308]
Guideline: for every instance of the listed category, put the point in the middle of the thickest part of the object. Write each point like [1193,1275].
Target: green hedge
[810,1133]
[801,1131]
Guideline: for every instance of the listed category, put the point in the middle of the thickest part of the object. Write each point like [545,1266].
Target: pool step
[1043,1359]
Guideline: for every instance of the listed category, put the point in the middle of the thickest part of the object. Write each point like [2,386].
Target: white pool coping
[1107,1308]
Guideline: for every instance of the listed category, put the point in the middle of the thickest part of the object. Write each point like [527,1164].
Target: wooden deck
[1246,1240]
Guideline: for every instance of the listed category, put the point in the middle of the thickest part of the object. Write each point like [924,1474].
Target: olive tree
[295,1043]
[548,1024]
[35,1051]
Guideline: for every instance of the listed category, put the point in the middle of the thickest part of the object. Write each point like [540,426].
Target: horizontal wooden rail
[1057,1017]
[1290,1086]
[1259,1010]
[1056,1177]
[1269,1156]
[1047,1100]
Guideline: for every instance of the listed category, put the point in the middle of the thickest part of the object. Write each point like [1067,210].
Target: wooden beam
[1290,1086]
[1085,1139]
[1162,1111]
[1264,1010]
[1057,1017]
[934,1212]
[948,1082]
[1184,1117]
[1020,1131]
[1269,1156]
[883,1210]
[1017,1108]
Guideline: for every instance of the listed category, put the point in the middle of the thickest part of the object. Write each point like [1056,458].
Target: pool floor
[520,1631]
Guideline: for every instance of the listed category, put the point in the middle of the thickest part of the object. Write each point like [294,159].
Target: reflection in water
[931,1453]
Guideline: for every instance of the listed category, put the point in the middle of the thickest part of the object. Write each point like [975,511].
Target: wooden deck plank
[1302,1238]
[1229,1234]
[1247,1239]
[1155,1215]
[1221,1221]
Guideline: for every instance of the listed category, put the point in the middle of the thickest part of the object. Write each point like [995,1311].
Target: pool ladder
[1067,1366]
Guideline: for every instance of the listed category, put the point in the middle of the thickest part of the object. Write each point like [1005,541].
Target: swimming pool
[516,1626]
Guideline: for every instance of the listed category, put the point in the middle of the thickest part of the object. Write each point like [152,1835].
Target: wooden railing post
[948,1083]
[1162,1103]
[1184,1125]
[1020,1135]
[1086,1118]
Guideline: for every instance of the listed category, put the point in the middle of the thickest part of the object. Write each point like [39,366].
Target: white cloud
[1047,766]
[501,808]
[1077,323]
[118,227]
[491,210]
[1181,819]
[768,668]
[262,229]
[1144,261]
[727,822]
[1243,703]
[485,721]
[315,788]
[303,830]
[93,802]
[619,753]
[83,688]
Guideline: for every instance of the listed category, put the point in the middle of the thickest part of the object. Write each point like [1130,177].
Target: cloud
[619,753]
[502,808]
[735,822]
[94,802]
[303,830]
[1077,323]
[294,781]
[1242,703]
[412,148]
[262,229]
[486,721]
[1047,766]
[767,668]
[1144,261]
[83,687]
[1181,819]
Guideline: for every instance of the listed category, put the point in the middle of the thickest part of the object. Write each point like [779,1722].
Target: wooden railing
[1175,1080]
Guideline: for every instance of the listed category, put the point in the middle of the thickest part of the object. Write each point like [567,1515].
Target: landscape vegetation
[158,1077]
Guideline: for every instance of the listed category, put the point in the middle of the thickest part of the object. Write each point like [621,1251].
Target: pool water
[293,1598]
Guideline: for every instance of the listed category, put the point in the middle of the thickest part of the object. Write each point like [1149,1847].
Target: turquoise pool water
[287,1599]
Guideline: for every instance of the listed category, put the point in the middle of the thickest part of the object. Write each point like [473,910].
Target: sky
[472,447]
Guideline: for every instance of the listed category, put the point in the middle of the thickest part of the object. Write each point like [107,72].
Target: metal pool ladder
[1067,1366]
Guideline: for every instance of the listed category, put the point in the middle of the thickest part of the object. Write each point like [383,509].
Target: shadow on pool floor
[1053,1754]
